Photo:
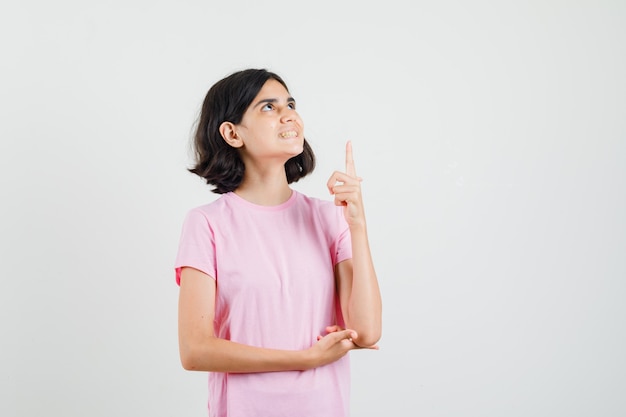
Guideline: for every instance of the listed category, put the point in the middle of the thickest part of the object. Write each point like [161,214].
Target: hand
[331,347]
[346,187]
[354,338]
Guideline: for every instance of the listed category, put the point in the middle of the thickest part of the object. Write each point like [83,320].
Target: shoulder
[315,203]
[326,210]
[205,212]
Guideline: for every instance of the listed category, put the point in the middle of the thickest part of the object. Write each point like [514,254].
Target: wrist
[358,226]
[307,359]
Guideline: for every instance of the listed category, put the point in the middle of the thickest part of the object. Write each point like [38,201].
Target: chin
[297,146]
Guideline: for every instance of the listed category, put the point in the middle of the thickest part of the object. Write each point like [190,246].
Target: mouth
[289,134]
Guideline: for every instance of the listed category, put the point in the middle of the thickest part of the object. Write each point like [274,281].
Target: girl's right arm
[200,350]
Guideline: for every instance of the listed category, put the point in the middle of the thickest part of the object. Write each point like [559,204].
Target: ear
[228,132]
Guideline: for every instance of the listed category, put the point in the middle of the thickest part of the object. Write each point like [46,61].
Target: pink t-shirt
[273,266]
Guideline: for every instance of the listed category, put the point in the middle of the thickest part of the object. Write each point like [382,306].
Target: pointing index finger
[350,170]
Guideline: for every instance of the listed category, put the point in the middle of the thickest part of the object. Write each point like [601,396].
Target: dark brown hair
[226,101]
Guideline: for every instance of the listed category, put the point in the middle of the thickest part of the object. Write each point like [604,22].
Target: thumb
[348,334]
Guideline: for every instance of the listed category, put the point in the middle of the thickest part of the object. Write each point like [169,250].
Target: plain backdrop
[491,136]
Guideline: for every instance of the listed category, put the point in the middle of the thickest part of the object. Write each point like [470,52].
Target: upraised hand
[346,187]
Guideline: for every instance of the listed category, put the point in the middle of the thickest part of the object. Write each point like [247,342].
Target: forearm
[219,355]
[364,307]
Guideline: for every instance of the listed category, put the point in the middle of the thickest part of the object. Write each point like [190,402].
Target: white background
[491,137]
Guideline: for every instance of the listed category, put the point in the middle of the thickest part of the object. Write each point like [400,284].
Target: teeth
[290,134]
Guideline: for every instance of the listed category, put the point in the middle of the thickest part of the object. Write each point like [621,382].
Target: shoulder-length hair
[226,101]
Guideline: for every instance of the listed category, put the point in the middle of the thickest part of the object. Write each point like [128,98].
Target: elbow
[199,355]
[188,360]
[187,365]
[191,359]
[369,331]
[368,338]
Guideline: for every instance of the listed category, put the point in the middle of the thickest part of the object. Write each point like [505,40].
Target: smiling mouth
[290,134]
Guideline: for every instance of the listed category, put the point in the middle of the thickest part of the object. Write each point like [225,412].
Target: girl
[275,287]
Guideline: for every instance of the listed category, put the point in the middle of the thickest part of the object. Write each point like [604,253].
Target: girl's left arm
[357,283]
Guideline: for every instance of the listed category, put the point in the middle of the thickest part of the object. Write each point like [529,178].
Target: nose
[288,115]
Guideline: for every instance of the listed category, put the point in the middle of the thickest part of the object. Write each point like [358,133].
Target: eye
[267,107]
[292,105]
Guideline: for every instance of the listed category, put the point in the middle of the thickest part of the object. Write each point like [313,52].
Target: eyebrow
[273,100]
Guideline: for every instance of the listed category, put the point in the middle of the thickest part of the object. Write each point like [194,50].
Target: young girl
[275,287]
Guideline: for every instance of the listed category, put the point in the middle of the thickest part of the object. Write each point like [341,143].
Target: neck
[265,188]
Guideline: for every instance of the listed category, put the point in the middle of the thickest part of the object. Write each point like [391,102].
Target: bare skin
[270,133]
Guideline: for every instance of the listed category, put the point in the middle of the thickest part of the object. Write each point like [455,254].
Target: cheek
[272,125]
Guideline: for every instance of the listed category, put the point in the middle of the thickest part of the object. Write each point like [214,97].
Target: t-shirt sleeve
[196,248]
